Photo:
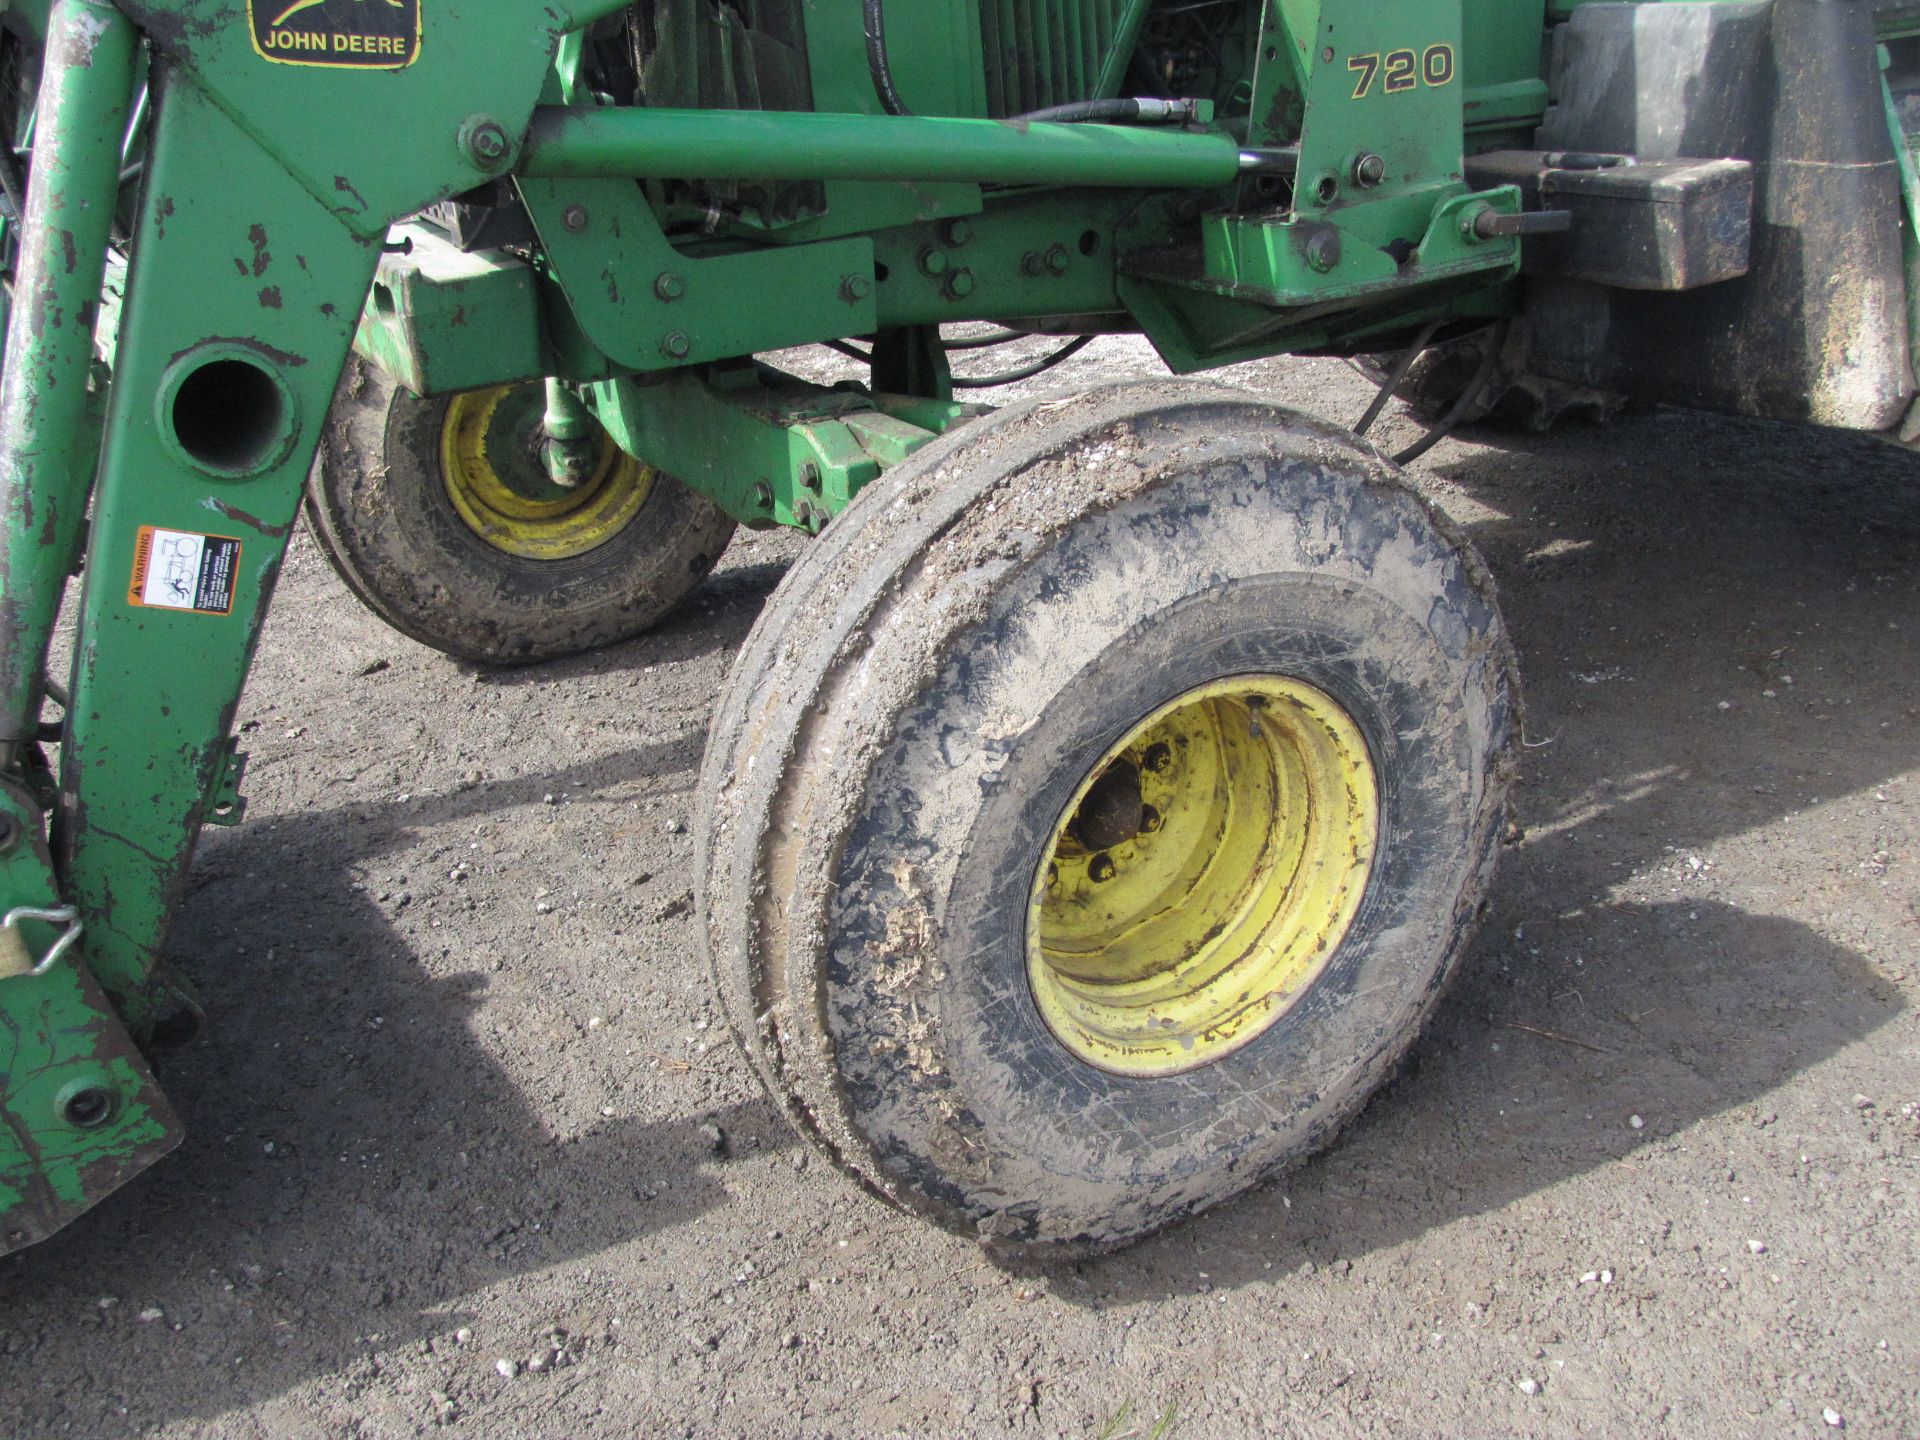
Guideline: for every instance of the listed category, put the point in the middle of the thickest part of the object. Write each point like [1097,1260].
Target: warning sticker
[178,570]
[355,34]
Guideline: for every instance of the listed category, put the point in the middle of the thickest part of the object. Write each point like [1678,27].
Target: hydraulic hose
[877,62]
[1121,110]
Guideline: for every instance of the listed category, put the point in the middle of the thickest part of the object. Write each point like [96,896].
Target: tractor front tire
[1094,814]
[438,515]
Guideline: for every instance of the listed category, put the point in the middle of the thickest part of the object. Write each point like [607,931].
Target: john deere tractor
[1098,807]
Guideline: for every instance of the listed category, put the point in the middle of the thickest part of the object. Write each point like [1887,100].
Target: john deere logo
[358,34]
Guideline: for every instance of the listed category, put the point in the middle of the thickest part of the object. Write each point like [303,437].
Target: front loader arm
[260,220]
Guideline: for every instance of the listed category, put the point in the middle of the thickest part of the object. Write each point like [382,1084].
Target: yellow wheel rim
[490,458]
[1202,876]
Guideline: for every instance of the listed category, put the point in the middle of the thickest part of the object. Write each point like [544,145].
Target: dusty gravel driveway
[469,1151]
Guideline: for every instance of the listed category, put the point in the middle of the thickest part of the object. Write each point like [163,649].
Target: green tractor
[1099,806]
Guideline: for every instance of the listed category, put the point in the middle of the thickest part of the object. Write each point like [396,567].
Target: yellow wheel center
[490,459]
[1202,876]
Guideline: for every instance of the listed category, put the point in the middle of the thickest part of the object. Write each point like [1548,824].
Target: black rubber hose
[1125,109]
[1481,375]
[1395,376]
[877,63]
[1039,367]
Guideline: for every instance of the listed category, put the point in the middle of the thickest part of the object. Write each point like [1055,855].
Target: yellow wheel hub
[490,459]
[1202,875]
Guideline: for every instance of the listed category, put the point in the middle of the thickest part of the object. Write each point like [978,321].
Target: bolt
[1158,759]
[575,218]
[1057,260]
[668,287]
[1369,169]
[1101,869]
[676,346]
[955,233]
[960,284]
[1149,819]
[762,495]
[88,1108]
[1323,250]
[1033,263]
[933,261]
[810,476]
[855,288]
[487,143]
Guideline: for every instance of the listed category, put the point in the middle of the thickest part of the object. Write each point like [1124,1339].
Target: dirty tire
[919,706]
[379,504]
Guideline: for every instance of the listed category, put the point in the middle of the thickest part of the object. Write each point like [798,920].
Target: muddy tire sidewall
[381,510]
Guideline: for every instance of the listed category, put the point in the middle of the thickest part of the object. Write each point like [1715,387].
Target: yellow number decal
[1402,71]
[1437,64]
[1366,67]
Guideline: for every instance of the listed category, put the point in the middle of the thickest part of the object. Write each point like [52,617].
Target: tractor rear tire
[1094,814]
[438,516]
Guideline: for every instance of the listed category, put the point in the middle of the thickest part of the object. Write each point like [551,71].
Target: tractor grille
[1051,52]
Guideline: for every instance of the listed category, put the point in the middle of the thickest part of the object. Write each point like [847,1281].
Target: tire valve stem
[569,445]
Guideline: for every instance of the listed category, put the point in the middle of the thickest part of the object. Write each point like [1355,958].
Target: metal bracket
[16,959]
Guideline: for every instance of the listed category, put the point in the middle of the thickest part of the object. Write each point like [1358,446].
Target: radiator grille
[1050,52]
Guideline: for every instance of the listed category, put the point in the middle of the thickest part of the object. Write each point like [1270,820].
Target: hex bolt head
[1101,869]
[486,142]
[676,346]
[1323,250]
[762,495]
[1033,263]
[855,288]
[1158,759]
[810,476]
[669,286]
[574,217]
[1057,260]
[960,284]
[933,261]
[1369,169]
[955,233]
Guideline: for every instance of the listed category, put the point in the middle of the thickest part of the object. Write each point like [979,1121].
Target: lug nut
[1149,819]
[1101,868]
[1158,758]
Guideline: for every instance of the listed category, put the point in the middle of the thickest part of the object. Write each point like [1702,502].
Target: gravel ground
[468,1149]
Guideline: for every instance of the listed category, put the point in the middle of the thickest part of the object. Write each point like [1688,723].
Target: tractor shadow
[410,1172]
[1655,606]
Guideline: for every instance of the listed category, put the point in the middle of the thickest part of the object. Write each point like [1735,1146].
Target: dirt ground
[1652,1171]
